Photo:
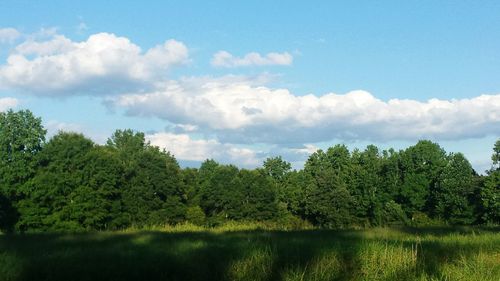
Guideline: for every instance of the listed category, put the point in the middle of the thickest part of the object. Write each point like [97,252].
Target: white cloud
[57,44]
[7,103]
[9,35]
[226,59]
[103,64]
[54,126]
[183,147]
[306,150]
[186,127]
[241,113]
[98,135]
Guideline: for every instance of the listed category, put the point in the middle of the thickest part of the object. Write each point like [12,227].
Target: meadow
[253,252]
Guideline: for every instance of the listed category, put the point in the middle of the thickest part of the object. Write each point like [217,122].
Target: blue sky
[234,80]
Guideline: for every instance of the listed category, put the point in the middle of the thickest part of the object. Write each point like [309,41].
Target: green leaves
[490,193]
[72,184]
[328,202]
[51,195]
[21,138]
[277,168]
[153,190]
[452,197]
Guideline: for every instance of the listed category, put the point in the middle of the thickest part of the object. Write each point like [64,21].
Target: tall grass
[254,252]
[229,226]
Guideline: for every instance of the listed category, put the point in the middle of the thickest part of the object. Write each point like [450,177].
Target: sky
[240,81]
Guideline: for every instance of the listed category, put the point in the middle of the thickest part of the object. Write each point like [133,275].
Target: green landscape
[75,210]
[249,140]
[250,252]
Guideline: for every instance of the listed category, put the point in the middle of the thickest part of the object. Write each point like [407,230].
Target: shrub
[195,215]
[420,219]
[394,214]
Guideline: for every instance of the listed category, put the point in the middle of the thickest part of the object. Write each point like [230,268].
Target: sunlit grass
[253,251]
[256,265]
[325,267]
[230,226]
[388,260]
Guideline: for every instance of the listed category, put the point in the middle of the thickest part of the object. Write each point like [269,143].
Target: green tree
[220,192]
[366,185]
[391,173]
[195,215]
[207,171]
[293,194]
[191,186]
[127,142]
[422,165]
[259,195]
[327,200]
[72,184]
[285,184]
[277,168]
[153,192]
[490,193]
[8,215]
[21,138]
[96,203]
[496,155]
[393,214]
[454,191]
[47,197]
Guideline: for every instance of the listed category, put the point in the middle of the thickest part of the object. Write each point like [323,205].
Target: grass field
[247,253]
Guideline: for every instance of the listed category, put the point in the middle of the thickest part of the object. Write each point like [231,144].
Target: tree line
[70,183]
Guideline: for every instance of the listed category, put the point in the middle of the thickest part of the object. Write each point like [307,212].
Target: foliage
[152,192]
[21,138]
[195,215]
[420,219]
[490,193]
[58,185]
[453,193]
[393,214]
[69,183]
[327,199]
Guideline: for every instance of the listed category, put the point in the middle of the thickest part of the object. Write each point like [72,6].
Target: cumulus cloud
[183,147]
[54,126]
[185,128]
[9,35]
[226,59]
[7,103]
[98,135]
[243,113]
[306,150]
[103,64]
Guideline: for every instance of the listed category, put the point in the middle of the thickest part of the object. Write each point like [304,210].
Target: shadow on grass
[245,255]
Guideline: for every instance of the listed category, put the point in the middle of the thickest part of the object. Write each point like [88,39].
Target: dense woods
[69,183]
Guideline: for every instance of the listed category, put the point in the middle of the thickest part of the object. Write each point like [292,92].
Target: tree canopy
[70,183]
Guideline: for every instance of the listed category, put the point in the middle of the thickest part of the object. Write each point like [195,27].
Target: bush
[420,219]
[393,214]
[291,222]
[195,215]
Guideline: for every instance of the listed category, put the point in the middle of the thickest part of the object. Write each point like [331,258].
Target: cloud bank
[103,64]
[242,113]
[218,117]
